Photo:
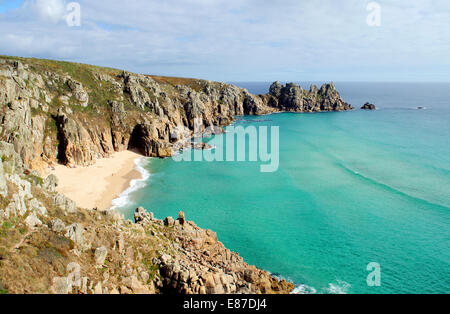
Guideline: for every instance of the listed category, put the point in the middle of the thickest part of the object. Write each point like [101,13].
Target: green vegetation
[4,229]
[5,158]
[35,179]
[195,84]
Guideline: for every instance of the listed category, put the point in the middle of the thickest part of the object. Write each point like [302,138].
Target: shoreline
[99,185]
[135,183]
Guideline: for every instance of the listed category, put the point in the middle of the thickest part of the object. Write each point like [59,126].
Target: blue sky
[7,5]
[239,40]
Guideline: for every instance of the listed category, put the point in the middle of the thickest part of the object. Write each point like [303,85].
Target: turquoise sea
[352,188]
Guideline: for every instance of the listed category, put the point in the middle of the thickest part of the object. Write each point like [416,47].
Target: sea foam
[136,184]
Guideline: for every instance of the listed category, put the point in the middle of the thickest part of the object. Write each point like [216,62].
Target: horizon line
[229,81]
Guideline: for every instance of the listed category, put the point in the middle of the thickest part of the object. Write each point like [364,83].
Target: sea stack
[368,106]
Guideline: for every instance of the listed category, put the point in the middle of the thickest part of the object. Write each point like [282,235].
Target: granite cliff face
[49,245]
[75,114]
[292,97]
[58,112]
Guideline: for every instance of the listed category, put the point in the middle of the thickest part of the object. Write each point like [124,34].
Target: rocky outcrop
[294,98]
[51,116]
[78,92]
[48,116]
[200,264]
[368,106]
[48,245]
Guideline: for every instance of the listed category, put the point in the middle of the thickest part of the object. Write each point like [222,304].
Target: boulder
[79,93]
[66,204]
[141,215]
[75,233]
[181,218]
[100,255]
[169,221]
[33,221]
[37,207]
[368,106]
[50,183]
[57,225]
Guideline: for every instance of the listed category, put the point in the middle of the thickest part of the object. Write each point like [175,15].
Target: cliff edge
[59,112]
[74,114]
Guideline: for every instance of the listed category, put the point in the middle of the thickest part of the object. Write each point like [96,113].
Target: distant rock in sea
[368,106]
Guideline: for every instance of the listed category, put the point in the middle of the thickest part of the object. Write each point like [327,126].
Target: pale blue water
[352,188]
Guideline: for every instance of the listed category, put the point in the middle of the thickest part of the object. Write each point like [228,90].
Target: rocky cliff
[74,114]
[48,245]
[58,112]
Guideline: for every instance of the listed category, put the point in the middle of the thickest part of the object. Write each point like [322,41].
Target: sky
[239,40]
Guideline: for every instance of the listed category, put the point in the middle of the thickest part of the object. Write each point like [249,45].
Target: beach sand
[98,185]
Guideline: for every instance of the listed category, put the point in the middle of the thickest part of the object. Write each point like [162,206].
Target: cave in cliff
[137,140]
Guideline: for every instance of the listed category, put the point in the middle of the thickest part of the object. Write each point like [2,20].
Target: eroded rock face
[3,186]
[78,92]
[111,254]
[200,264]
[41,113]
[100,255]
[294,98]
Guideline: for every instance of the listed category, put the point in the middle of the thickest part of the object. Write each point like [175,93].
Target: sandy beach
[98,185]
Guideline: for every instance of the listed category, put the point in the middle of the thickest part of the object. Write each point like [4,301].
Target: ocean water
[352,188]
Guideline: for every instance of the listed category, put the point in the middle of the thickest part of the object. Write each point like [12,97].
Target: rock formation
[58,112]
[368,106]
[200,264]
[48,245]
[75,114]
[293,98]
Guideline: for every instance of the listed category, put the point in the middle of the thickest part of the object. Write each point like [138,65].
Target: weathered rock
[75,233]
[169,221]
[158,124]
[219,270]
[61,285]
[12,162]
[145,277]
[368,106]
[100,255]
[80,94]
[3,186]
[292,97]
[50,183]
[66,204]
[98,288]
[141,215]
[57,225]
[37,207]
[136,286]
[181,218]
[32,221]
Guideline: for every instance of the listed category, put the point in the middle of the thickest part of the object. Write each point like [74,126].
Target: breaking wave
[136,184]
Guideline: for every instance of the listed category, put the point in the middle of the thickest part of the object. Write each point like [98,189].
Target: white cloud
[49,10]
[242,40]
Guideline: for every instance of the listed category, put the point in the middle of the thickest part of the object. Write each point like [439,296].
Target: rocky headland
[73,114]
